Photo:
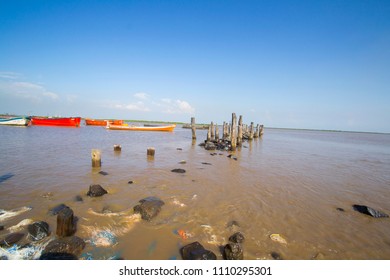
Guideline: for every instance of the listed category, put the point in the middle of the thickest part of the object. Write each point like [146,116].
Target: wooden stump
[193,128]
[150,152]
[239,138]
[65,223]
[117,148]
[209,134]
[251,131]
[96,158]
[234,132]
[212,135]
[257,131]
[216,132]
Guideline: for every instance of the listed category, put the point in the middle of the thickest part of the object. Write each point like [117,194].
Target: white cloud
[176,106]
[136,106]
[141,95]
[26,90]
[9,75]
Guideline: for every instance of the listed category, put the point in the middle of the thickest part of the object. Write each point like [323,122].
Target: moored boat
[167,128]
[72,121]
[15,121]
[102,122]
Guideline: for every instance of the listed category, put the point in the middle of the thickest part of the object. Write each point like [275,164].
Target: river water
[289,182]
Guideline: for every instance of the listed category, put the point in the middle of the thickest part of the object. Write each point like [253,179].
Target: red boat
[56,121]
[102,122]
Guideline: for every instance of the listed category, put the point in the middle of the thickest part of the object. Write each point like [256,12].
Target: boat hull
[19,121]
[102,122]
[167,128]
[56,121]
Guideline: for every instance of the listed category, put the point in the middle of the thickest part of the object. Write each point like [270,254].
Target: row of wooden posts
[234,132]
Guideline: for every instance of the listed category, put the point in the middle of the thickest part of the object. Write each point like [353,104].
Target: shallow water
[290,182]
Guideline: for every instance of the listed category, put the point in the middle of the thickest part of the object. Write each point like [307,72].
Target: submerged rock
[104,173]
[11,239]
[78,198]
[149,207]
[233,251]
[1,227]
[238,237]
[69,245]
[195,251]
[58,256]
[210,146]
[56,209]
[369,211]
[178,170]
[38,230]
[96,190]
[276,256]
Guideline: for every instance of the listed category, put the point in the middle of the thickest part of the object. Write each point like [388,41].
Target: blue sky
[296,64]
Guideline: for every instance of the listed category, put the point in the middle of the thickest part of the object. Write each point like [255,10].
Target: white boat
[17,121]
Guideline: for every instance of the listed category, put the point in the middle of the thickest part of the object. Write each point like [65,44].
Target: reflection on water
[290,183]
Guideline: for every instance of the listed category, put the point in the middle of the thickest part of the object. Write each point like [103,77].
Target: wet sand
[290,182]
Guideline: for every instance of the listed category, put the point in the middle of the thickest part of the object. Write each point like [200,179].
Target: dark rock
[96,190]
[130,182]
[206,163]
[179,149]
[104,173]
[210,146]
[1,227]
[58,256]
[233,251]
[55,210]
[202,144]
[369,211]
[195,251]
[232,224]
[213,154]
[38,230]
[78,198]
[276,256]
[11,239]
[178,170]
[69,245]
[149,207]
[238,237]
[340,209]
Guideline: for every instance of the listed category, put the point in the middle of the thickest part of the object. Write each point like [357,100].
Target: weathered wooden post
[117,148]
[150,152]
[193,128]
[251,131]
[216,132]
[233,138]
[239,139]
[212,135]
[96,158]
[208,134]
[261,130]
[224,128]
[256,135]
[65,223]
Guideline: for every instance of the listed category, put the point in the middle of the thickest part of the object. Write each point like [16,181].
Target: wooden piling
[261,130]
[65,223]
[193,128]
[150,152]
[233,138]
[96,158]
[239,138]
[251,131]
[224,131]
[216,132]
[208,134]
[117,148]
[212,134]
[257,131]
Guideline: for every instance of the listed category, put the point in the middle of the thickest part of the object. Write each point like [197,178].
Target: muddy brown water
[290,182]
